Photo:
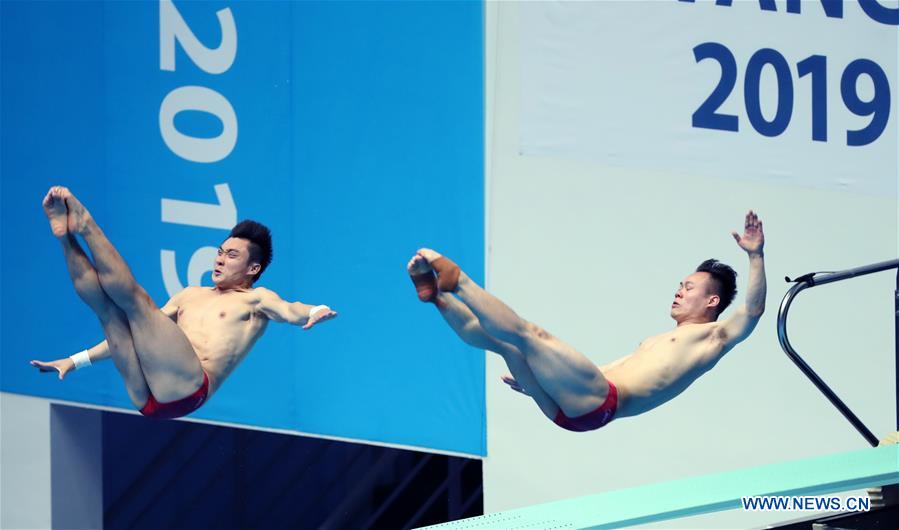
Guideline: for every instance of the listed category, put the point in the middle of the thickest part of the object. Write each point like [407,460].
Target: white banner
[747,90]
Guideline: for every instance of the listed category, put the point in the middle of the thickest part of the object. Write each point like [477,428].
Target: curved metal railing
[811,280]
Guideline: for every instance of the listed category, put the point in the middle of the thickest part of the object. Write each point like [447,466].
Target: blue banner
[353,130]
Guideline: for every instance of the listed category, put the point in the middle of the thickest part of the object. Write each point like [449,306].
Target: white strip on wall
[25,462]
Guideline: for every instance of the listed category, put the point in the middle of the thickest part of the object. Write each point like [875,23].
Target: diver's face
[232,264]
[695,298]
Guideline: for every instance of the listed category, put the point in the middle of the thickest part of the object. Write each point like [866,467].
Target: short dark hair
[725,280]
[260,238]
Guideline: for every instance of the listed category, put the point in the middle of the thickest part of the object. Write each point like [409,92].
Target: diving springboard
[693,496]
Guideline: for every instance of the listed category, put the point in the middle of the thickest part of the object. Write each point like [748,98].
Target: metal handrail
[811,280]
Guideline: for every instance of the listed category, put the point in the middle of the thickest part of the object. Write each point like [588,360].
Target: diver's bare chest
[211,307]
[664,340]
[672,341]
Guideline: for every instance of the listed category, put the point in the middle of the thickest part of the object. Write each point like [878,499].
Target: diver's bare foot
[423,277]
[447,271]
[55,207]
[428,254]
[79,217]
[418,265]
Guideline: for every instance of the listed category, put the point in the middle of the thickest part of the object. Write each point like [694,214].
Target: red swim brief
[176,409]
[593,419]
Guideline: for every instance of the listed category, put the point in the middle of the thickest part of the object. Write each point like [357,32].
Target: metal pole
[830,277]
[807,370]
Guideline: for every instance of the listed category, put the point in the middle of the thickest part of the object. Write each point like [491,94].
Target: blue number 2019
[815,66]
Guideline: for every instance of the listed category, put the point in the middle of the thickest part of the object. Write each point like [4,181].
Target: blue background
[360,140]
